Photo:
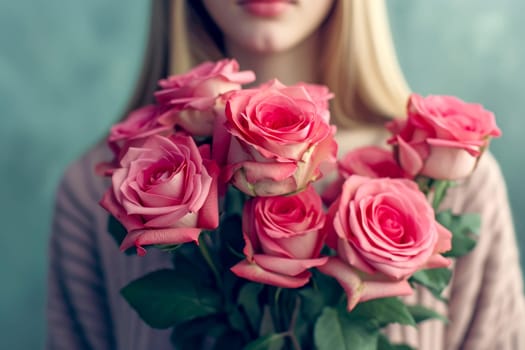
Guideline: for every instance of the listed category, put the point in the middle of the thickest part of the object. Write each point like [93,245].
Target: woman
[344,44]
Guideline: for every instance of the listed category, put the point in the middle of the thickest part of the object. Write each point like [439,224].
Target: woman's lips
[265,8]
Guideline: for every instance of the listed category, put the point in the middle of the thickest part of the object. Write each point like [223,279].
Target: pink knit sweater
[85,310]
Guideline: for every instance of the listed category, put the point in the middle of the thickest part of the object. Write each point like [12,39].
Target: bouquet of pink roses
[225,179]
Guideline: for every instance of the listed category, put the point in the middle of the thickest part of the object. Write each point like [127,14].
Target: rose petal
[139,238]
[255,273]
[285,266]
[437,261]
[359,290]
[130,222]
[347,277]
[209,212]
[447,163]
[255,171]
[409,159]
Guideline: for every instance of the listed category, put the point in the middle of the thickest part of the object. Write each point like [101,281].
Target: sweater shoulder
[80,182]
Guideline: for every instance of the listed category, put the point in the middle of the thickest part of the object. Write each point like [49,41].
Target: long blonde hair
[358,61]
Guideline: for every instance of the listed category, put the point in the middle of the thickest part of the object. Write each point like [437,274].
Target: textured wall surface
[67,67]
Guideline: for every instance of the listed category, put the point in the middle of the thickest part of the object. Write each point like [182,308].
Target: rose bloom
[283,239]
[383,231]
[280,136]
[370,161]
[320,94]
[164,192]
[190,98]
[443,136]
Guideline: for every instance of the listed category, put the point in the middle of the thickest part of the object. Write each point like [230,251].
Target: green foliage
[464,229]
[435,280]
[324,291]
[440,188]
[229,340]
[378,313]
[421,314]
[335,329]
[165,298]
[230,241]
[312,303]
[169,248]
[249,302]
[269,341]
[187,260]
[234,201]
[118,232]
[190,335]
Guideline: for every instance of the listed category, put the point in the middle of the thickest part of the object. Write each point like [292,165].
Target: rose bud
[369,161]
[190,98]
[443,137]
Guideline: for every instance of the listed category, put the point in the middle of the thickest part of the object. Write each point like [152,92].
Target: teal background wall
[67,67]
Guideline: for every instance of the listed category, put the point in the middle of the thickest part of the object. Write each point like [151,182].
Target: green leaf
[312,303]
[231,240]
[327,287]
[189,335]
[249,301]
[381,312]
[188,261]
[335,330]
[228,340]
[421,313]
[169,248]
[324,291]
[236,320]
[209,256]
[165,298]
[435,280]
[234,201]
[118,232]
[272,340]
[385,344]
[464,229]
[424,183]
[230,228]
[440,191]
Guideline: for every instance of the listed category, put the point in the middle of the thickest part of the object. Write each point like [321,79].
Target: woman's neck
[291,66]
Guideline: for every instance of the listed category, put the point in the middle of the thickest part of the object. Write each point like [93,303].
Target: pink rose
[164,192]
[320,94]
[280,137]
[191,97]
[383,230]
[443,136]
[138,125]
[369,161]
[283,239]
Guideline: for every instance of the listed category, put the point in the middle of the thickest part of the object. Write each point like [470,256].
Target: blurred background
[67,68]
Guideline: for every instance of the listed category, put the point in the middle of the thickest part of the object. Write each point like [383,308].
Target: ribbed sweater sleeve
[487,307]
[78,314]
